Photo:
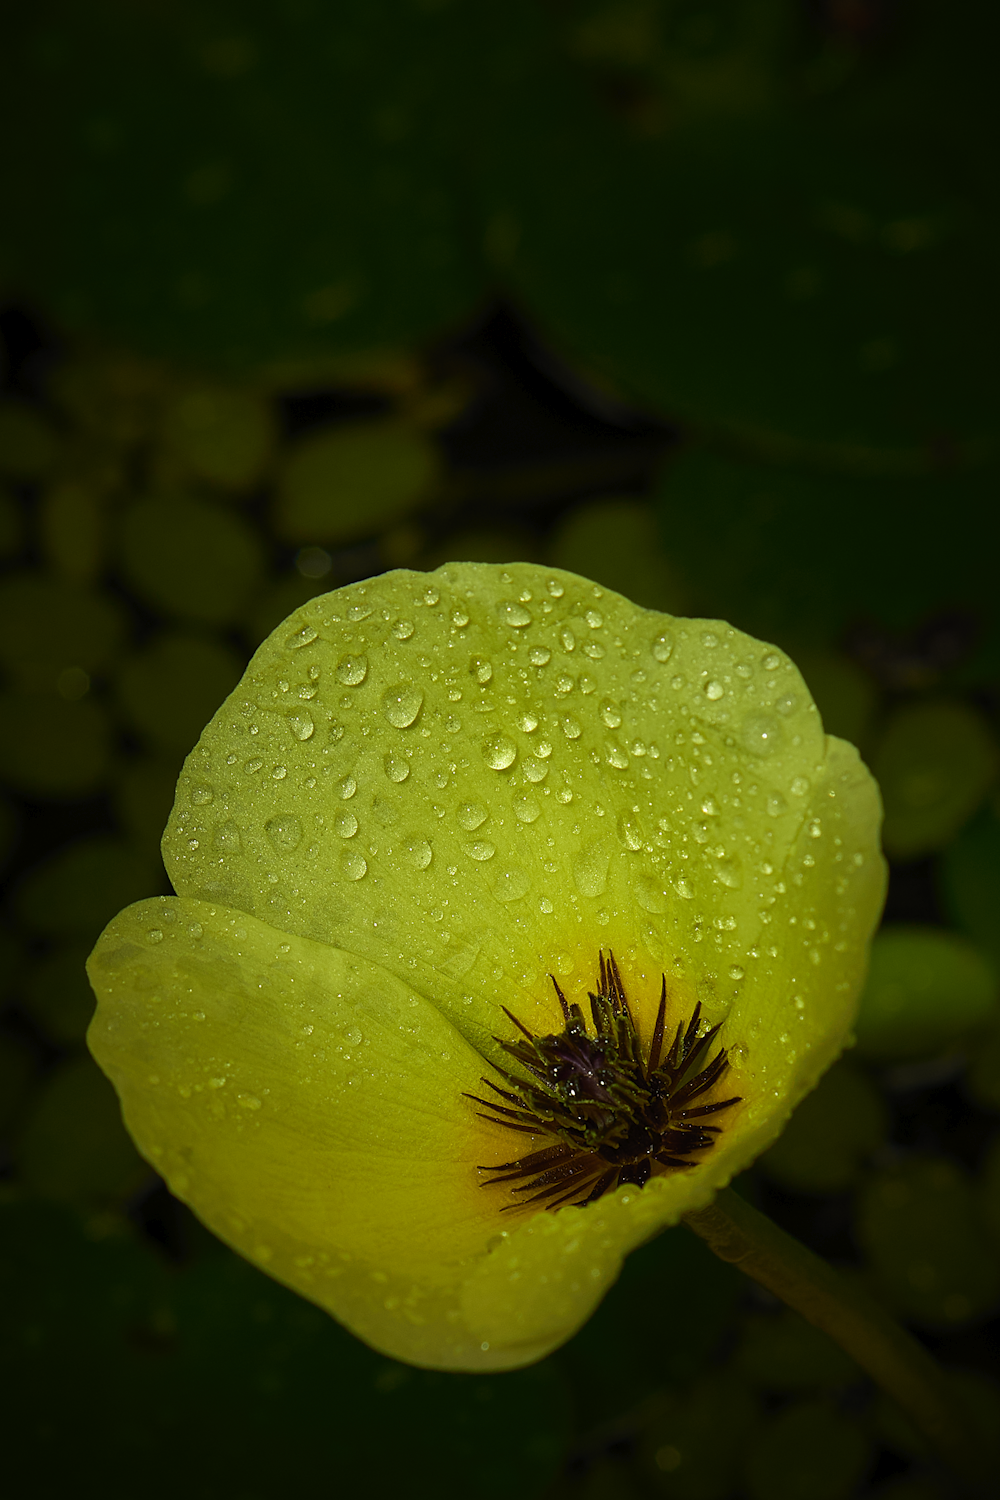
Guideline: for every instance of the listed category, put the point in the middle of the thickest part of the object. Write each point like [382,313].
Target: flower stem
[892,1357]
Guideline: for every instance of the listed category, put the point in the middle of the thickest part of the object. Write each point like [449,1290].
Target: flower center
[614,1114]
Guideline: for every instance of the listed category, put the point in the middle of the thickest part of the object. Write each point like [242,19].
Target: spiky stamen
[613,1116]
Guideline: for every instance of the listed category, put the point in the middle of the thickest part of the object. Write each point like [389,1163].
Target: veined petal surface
[474,779]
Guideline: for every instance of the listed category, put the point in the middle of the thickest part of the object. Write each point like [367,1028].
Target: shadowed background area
[696,299]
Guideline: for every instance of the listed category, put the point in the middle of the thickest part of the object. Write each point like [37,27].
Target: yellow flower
[437,813]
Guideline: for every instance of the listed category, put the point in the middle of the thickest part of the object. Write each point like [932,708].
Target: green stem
[895,1361]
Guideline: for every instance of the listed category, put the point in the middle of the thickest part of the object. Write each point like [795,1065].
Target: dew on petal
[397,767]
[590,869]
[514,614]
[480,849]
[417,851]
[351,670]
[511,884]
[572,728]
[481,669]
[663,646]
[301,638]
[401,704]
[301,725]
[470,815]
[353,866]
[526,808]
[346,824]
[539,656]
[610,714]
[761,734]
[403,629]
[499,752]
[284,831]
[799,786]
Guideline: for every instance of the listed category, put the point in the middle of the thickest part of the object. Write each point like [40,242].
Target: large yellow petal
[309,1107]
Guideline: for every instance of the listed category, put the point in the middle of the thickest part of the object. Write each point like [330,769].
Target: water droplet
[709,808]
[730,872]
[514,614]
[543,749]
[539,656]
[480,849]
[403,629]
[771,662]
[684,888]
[761,734]
[346,824]
[279,773]
[346,787]
[481,669]
[776,804]
[499,752]
[663,646]
[590,869]
[154,935]
[572,728]
[227,837]
[528,723]
[787,705]
[630,831]
[555,588]
[545,906]
[351,670]
[417,851]
[526,808]
[616,756]
[284,831]
[610,714]
[202,794]
[714,690]
[301,638]
[535,771]
[799,786]
[401,704]
[432,596]
[253,766]
[815,828]
[568,639]
[460,617]
[511,884]
[353,866]
[301,726]
[397,767]
[564,684]
[594,619]
[470,815]
[736,971]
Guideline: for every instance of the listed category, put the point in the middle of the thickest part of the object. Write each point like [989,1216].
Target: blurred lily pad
[920,1226]
[353,481]
[926,989]
[934,762]
[189,558]
[221,435]
[617,542]
[831,1134]
[72,1146]
[48,624]
[171,689]
[50,747]
[74,892]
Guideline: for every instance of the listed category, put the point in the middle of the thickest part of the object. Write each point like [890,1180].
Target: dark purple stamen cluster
[614,1114]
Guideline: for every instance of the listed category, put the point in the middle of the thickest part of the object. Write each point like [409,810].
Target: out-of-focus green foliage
[830,1136]
[926,989]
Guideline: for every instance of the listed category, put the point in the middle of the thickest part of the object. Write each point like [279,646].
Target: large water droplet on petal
[480,849]
[301,638]
[301,725]
[417,851]
[397,767]
[227,837]
[499,752]
[470,815]
[346,824]
[610,714]
[526,808]
[630,831]
[284,831]
[684,888]
[663,646]
[514,614]
[353,866]
[481,669]
[401,704]
[730,872]
[761,734]
[351,670]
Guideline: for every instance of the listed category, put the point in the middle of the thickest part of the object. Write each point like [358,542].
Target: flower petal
[310,1108]
[481,776]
